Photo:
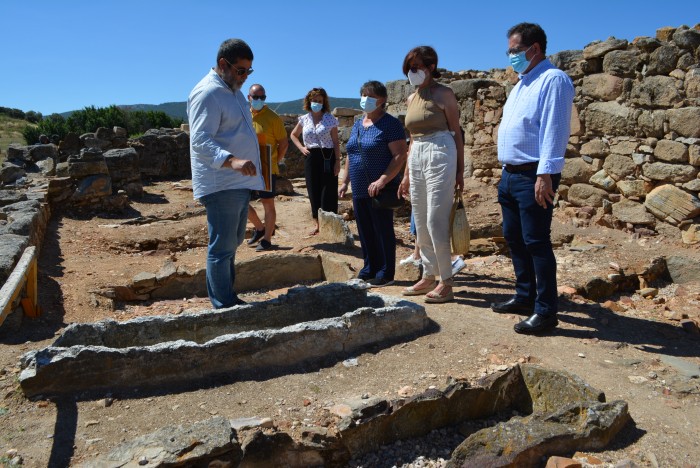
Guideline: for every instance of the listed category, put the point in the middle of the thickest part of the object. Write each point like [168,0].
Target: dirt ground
[619,350]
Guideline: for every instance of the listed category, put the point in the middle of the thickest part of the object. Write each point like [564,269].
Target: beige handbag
[460,234]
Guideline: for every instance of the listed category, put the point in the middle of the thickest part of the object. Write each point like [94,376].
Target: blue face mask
[368,104]
[257,104]
[316,106]
[519,62]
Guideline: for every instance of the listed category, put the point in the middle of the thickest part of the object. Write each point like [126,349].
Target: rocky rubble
[554,413]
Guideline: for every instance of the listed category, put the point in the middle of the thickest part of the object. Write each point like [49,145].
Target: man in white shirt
[225,159]
[532,138]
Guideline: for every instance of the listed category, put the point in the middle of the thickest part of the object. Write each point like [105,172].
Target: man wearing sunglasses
[225,159]
[532,138]
[271,133]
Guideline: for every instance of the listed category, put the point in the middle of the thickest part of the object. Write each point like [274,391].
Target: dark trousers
[321,182]
[527,229]
[376,230]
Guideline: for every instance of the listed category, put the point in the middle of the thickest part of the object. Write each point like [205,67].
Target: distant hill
[179,109]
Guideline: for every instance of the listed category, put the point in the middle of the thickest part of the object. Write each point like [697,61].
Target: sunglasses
[259,98]
[239,70]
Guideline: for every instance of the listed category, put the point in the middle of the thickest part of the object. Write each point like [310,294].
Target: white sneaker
[458,265]
[410,259]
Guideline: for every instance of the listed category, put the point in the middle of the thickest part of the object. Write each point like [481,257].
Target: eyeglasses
[517,50]
[239,70]
[259,98]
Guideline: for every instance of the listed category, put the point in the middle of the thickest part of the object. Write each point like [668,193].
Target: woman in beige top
[435,169]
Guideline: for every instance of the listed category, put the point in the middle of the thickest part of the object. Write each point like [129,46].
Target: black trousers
[321,181]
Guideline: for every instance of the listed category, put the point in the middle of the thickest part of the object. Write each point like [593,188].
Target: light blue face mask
[368,104]
[257,104]
[316,106]
[519,62]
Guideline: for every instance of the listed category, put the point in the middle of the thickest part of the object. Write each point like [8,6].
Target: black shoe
[512,306]
[257,235]
[264,245]
[379,282]
[365,278]
[536,324]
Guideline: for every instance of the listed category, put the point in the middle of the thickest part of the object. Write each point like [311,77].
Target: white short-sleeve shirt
[318,136]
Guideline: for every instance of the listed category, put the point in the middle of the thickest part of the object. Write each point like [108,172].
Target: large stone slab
[683,269]
[687,38]
[628,211]
[303,326]
[526,441]
[619,166]
[685,121]
[671,151]
[595,148]
[466,89]
[195,444]
[666,172]
[599,49]
[11,249]
[602,86]
[631,188]
[576,171]
[567,415]
[586,195]
[656,91]
[671,204]
[334,229]
[482,158]
[602,180]
[607,118]
[563,413]
[621,62]
[663,60]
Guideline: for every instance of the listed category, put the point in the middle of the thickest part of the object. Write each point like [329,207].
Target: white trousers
[432,168]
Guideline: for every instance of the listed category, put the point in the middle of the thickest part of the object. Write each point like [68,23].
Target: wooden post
[25,273]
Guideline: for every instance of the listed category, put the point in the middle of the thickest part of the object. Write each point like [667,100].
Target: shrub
[91,118]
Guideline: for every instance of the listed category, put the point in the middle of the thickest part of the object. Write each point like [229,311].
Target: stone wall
[634,152]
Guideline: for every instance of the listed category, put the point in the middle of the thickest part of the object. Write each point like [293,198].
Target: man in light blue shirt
[532,139]
[225,159]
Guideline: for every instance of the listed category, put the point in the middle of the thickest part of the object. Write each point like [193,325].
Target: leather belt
[520,167]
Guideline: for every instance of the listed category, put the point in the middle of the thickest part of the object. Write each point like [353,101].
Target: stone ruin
[632,163]
[303,326]
[548,413]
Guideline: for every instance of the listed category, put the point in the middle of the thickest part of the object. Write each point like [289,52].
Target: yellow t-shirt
[269,125]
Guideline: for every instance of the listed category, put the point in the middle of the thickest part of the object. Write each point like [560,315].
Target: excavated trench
[305,326]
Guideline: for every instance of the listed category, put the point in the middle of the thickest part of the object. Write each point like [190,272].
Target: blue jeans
[376,230]
[527,229]
[227,212]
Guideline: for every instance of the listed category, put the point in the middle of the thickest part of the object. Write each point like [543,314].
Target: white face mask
[417,78]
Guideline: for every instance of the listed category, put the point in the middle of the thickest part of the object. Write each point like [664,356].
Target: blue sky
[57,56]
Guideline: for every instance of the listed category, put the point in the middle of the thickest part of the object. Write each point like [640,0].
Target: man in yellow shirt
[271,131]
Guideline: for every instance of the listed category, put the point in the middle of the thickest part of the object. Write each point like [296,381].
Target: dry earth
[618,351]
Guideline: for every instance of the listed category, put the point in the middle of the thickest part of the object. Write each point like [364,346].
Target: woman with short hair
[435,169]
[376,155]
